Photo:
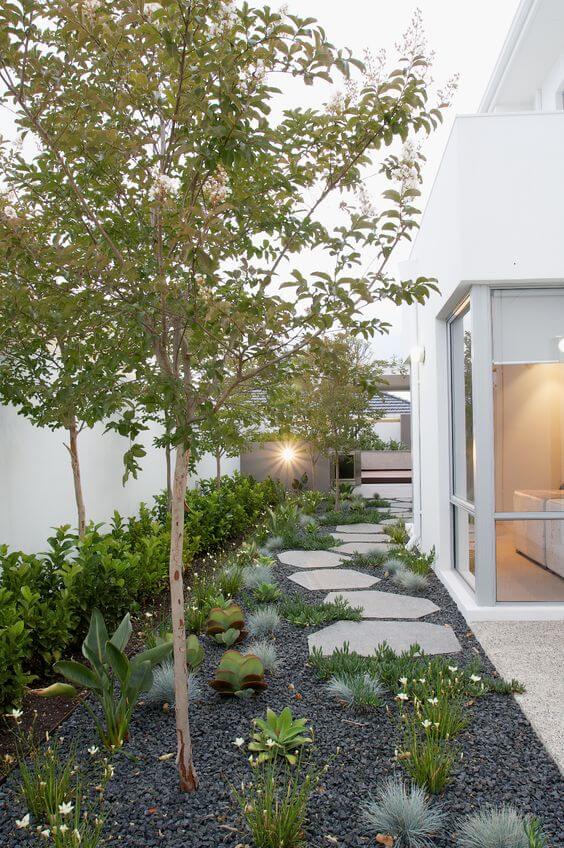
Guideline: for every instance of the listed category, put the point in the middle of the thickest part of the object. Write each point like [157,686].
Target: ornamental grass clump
[341,662]
[266,651]
[360,692]
[267,593]
[410,581]
[46,779]
[303,614]
[428,760]
[263,622]
[162,690]
[501,827]
[394,565]
[230,580]
[371,560]
[274,804]
[254,575]
[404,814]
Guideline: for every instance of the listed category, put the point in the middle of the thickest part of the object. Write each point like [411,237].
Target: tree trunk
[218,468]
[168,480]
[313,464]
[186,771]
[72,448]
[337,484]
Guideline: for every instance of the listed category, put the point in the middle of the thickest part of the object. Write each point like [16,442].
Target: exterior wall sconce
[417,355]
[561,344]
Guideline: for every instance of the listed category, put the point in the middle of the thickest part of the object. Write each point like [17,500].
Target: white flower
[11,213]
[76,835]
[453,668]
[21,823]
[45,833]
[270,743]
[151,8]
[93,750]
[63,828]
[422,679]
[66,808]
[163,185]
[433,701]
[403,681]
[426,723]
[15,714]
[475,678]
[239,742]
[402,696]
[91,6]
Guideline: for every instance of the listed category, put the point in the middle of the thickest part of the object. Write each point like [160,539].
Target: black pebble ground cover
[502,759]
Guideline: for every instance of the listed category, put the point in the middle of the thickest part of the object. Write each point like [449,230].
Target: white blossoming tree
[161,166]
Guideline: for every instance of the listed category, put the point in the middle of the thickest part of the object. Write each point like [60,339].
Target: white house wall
[494,216]
[36,489]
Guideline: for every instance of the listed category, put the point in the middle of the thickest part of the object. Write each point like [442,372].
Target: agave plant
[226,624]
[239,675]
[110,666]
[279,736]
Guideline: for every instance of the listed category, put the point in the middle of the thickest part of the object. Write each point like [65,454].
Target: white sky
[466,37]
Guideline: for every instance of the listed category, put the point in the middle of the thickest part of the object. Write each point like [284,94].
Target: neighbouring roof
[386,404]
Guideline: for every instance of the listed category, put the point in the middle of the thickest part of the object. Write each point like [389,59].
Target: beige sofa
[541,541]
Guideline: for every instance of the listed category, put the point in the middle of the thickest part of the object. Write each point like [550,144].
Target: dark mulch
[502,759]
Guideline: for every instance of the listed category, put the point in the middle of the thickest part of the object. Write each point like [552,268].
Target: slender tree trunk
[186,771]
[337,484]
[218,468]
[72,448]
[168,479]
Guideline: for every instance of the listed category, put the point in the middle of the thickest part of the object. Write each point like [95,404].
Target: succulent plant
[279,736]
[239,675]
[194,653]
[226,624]
[266,593]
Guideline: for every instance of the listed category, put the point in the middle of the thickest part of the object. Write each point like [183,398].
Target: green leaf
[78,674]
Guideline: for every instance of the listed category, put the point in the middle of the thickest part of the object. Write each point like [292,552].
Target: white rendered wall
[388,428]
[494,216]
[36,489]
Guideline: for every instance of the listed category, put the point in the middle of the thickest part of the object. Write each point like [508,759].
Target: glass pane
[529,436]
[530,559]
[465,544]
[528,325]
[462,424]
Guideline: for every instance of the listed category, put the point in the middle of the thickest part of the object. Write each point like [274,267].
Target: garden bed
[502,761]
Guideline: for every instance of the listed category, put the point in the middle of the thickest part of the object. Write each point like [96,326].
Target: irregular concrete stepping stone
[387,604]
[334,578]
[361,537]
[362,547]
[360,528]
[310,559]
[365,636]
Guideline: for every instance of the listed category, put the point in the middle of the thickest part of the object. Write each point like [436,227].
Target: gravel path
[502,759]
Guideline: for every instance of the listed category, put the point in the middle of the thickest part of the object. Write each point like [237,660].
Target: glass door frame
[458,504]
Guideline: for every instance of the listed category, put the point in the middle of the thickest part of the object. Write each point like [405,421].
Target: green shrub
[367,516]
[14,649]
[279,735]
[342,662]
[303,614]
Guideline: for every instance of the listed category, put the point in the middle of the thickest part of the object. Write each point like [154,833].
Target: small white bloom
[45,833]
[453,668]
[426,723]
[239,742]
[151,8]
[403,681]
[422,679]
[11,213]
[66,808]
[21,823]
[433,701]
[270,743]
[475,678]
[93,750]
[63,828]
[402,696]
[15,714]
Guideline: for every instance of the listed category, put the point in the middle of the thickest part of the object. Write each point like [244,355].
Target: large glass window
[528,405]
[462,447]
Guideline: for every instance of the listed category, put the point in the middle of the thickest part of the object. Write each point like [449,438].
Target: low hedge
[46,599]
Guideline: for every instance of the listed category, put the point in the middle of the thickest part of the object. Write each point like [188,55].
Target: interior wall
[529,429]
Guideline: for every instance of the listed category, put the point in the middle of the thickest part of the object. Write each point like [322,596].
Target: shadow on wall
[286,461]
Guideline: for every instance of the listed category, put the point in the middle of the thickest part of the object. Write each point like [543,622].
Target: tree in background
[327,402]
[188,207]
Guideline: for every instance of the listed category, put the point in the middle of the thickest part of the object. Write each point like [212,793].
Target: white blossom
[215,188]
[163,185]
[11,213]
[150,9]
[93,750]
[239,742]
[475,678]
[66,808]
[402,696]
[426,723]
[21,823]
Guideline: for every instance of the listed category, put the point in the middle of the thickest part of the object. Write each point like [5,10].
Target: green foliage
[194,653]
[230,580]
[14,651]
[427,760]
[226,624]
[535,834]
[332,519]
[267,593]
[415,560]
[279,735]
[405,813]
[397,533]
[356,691]
[239,675]
[305,539]
[255,575]
[372,560]
[341,663]
[46,780]
[274,804]
[504,687]
[283,520]
[310,501]
[411,581]
[303,614]
[111,667]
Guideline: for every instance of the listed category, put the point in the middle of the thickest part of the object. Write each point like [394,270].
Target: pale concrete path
[353,529]
[532,652]
[323,580]
[388,491]
[361,537]
[386,604]
[311,559]
[361,547]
